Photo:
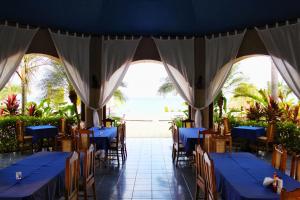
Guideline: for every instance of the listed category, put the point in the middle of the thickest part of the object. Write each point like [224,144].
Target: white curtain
[115,59]
[14,42]
[177,56]
[74,52]
[220,53]
[283,45]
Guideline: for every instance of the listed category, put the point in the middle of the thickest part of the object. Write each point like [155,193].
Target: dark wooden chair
[265,141]
[108,122]
[210,179]
[115,147]
[178,148]
[61,133]
[279,157]
[200,179]
[24,141]
[188,123]
[123,141]
[72,176]
[88,180]
[295,167]
[292,195]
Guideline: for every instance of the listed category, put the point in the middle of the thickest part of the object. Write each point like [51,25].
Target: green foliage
[8,142]
[288,134]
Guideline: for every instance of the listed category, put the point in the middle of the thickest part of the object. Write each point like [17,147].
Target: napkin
[268,181]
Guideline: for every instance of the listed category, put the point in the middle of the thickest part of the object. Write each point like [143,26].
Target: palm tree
[9,89]
[167,87]
[26,72]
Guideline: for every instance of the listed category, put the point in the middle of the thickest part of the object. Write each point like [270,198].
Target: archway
[147,110]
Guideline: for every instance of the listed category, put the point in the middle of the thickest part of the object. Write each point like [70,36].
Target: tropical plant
[272,111]
[32,109]
[11,104]
[255,112]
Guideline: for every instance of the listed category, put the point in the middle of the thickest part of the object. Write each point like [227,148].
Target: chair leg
[85,194]
[94,191]
[197,192]
[118,157]
[177,157]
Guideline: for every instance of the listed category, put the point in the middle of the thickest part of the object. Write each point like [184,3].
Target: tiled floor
[148,173]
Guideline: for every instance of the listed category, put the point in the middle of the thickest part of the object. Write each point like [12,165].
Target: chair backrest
[72,176]
[67,145]
[85,137]
[292,195]
[226,125]
[270,132]
[188,123]
[199,161]
[20,131]
[295,167]
[219,144]
[279,157]
[62,127]
[120,134]
[108,122]
[174,133]
[89,165]
[210,179]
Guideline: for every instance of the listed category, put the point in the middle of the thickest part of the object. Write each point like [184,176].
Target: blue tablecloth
[42,131]
[241,175]
[43,177]
[103,136]
[248,132]
[189,137]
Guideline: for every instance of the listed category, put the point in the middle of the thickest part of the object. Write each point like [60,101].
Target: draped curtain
[115,59]
[178,59]
[14,42]
[283,45]
[220,53]
[74,52]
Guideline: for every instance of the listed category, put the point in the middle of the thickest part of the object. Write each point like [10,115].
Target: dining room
[78,151]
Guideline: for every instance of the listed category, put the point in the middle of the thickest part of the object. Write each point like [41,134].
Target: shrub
[8,142]
[288,134]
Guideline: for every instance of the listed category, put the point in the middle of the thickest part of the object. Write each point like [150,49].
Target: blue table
[241,175]
[103,136]
[40,132]
[248,132]
[189,137]
[43,177]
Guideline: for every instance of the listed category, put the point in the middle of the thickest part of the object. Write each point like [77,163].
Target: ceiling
[149,17]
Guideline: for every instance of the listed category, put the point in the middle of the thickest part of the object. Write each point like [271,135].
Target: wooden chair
[61,133]
[295,167]
[123,141]
[72,176]
[67,144]
[200,179]
[227,133]
[265,141]
[292,195]
[89,172]
[24,142]
[210,179]
[279,158]
[108,122]
[188,123]
[178,148]
[115,147]
[219,143]
[84,139]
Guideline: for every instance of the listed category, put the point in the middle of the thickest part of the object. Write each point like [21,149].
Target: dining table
[248,132]
[40,132]
[189,138]
[240,176]
[42,177]
[103,136]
